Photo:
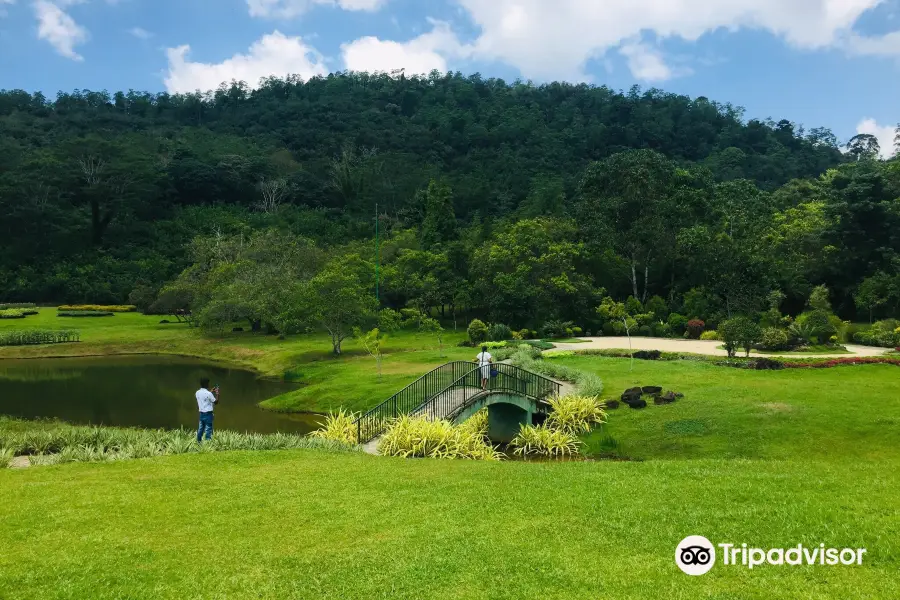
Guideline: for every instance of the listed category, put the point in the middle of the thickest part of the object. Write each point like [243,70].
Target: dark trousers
[206,423]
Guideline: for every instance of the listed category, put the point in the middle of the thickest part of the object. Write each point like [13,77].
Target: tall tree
[439,225]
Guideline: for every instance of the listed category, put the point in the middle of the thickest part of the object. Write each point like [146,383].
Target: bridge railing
[373,423]
[504,378]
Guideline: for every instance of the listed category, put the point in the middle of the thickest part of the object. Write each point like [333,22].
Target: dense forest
[514,202]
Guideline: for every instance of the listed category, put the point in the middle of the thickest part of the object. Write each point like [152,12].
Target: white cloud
[59,29]
[273,54]
[646,62]
[140,33]
[287,9]
[886,45]
[884,133]
[551,40]
[421,55]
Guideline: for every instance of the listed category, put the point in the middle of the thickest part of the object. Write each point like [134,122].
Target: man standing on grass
[206,401]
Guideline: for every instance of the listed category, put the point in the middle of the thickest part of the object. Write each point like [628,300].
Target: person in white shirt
[206,401]
[484,360]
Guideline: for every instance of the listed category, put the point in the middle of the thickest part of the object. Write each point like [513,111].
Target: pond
[141,391]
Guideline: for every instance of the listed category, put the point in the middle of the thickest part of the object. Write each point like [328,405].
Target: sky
[828,63]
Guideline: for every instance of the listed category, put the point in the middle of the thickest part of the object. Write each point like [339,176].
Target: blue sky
[833,63]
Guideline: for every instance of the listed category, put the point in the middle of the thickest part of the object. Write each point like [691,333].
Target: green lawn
[306,524]
[843,412]
[771,459]
[350,380]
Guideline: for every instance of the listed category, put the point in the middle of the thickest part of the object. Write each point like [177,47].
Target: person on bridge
[484,360]
[206,401]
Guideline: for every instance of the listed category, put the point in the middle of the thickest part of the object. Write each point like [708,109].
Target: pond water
[141,391]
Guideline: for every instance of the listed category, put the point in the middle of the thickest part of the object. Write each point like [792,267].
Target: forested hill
[99,190]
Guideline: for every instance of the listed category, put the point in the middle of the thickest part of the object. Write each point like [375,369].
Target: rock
[667,398]
[164,321]
[648,355]
[768,364]
[651,389]
[631,394]
[679,395]
[638,403]
[611,404]
[237,329]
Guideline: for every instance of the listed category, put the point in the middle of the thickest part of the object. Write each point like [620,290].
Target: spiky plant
[575,414]
[338,427]
[545,441]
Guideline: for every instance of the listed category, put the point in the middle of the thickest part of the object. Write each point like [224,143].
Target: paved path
[698,347]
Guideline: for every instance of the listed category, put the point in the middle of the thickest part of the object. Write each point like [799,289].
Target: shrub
[555,329]
[576,414]
[815,325]
[389,320]
[37,336]
[709,335]
[20,305]
[418,437]
[477,331]
[544,441]
[695,328]
[739,332]
[678,323]
[633,306]
[12,313]
[644,331]
[84,313]
[97,308]
[661,329]
[540,344]
[499,332]
[773,339]
[658,307]
[577,331]
[525,334]
[494,345]
[645,318]
[338,427]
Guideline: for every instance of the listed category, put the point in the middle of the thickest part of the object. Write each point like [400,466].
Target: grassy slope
[824,413]
[302,524]
[350,381]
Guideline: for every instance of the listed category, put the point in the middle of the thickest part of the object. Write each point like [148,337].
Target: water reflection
[141,391]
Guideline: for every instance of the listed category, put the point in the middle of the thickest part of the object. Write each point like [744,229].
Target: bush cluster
[97,308]
[38,336]
[884,334]
[60,442]
[12,313]
[419,437]
[84,313]
[20,305]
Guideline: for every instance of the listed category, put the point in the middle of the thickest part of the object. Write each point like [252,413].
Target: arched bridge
[453,392]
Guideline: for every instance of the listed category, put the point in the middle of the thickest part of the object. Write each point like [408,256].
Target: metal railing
[445,391]
[374,422]
[449,403]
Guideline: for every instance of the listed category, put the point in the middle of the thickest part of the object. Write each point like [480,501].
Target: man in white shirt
[484,360]
[206,401]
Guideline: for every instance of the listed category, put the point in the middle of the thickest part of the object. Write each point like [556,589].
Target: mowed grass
[842,412]
[330,382]
[306,524]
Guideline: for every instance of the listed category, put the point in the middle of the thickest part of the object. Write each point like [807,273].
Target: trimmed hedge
[84,313]
[17,305]
[12,313]
[757,363]
[38,336]
[98,308]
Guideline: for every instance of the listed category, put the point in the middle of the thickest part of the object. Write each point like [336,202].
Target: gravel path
[698,347]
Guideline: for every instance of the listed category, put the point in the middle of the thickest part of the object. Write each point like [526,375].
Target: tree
[897,141]
[338,299]
[372,342]
[863,146]
[626,202]
[272,193]
[739,332]
[819,299]
[439,225]
[873,293]
[430,325]
[609,309]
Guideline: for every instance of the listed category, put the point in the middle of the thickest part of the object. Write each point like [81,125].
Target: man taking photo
[206,401]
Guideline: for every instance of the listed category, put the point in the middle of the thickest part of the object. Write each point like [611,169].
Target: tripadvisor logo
[696,555]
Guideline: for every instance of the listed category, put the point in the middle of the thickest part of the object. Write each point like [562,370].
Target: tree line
[518,203]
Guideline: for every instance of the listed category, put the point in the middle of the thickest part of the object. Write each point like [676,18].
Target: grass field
[305,524]
[767,458]
[350,380]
